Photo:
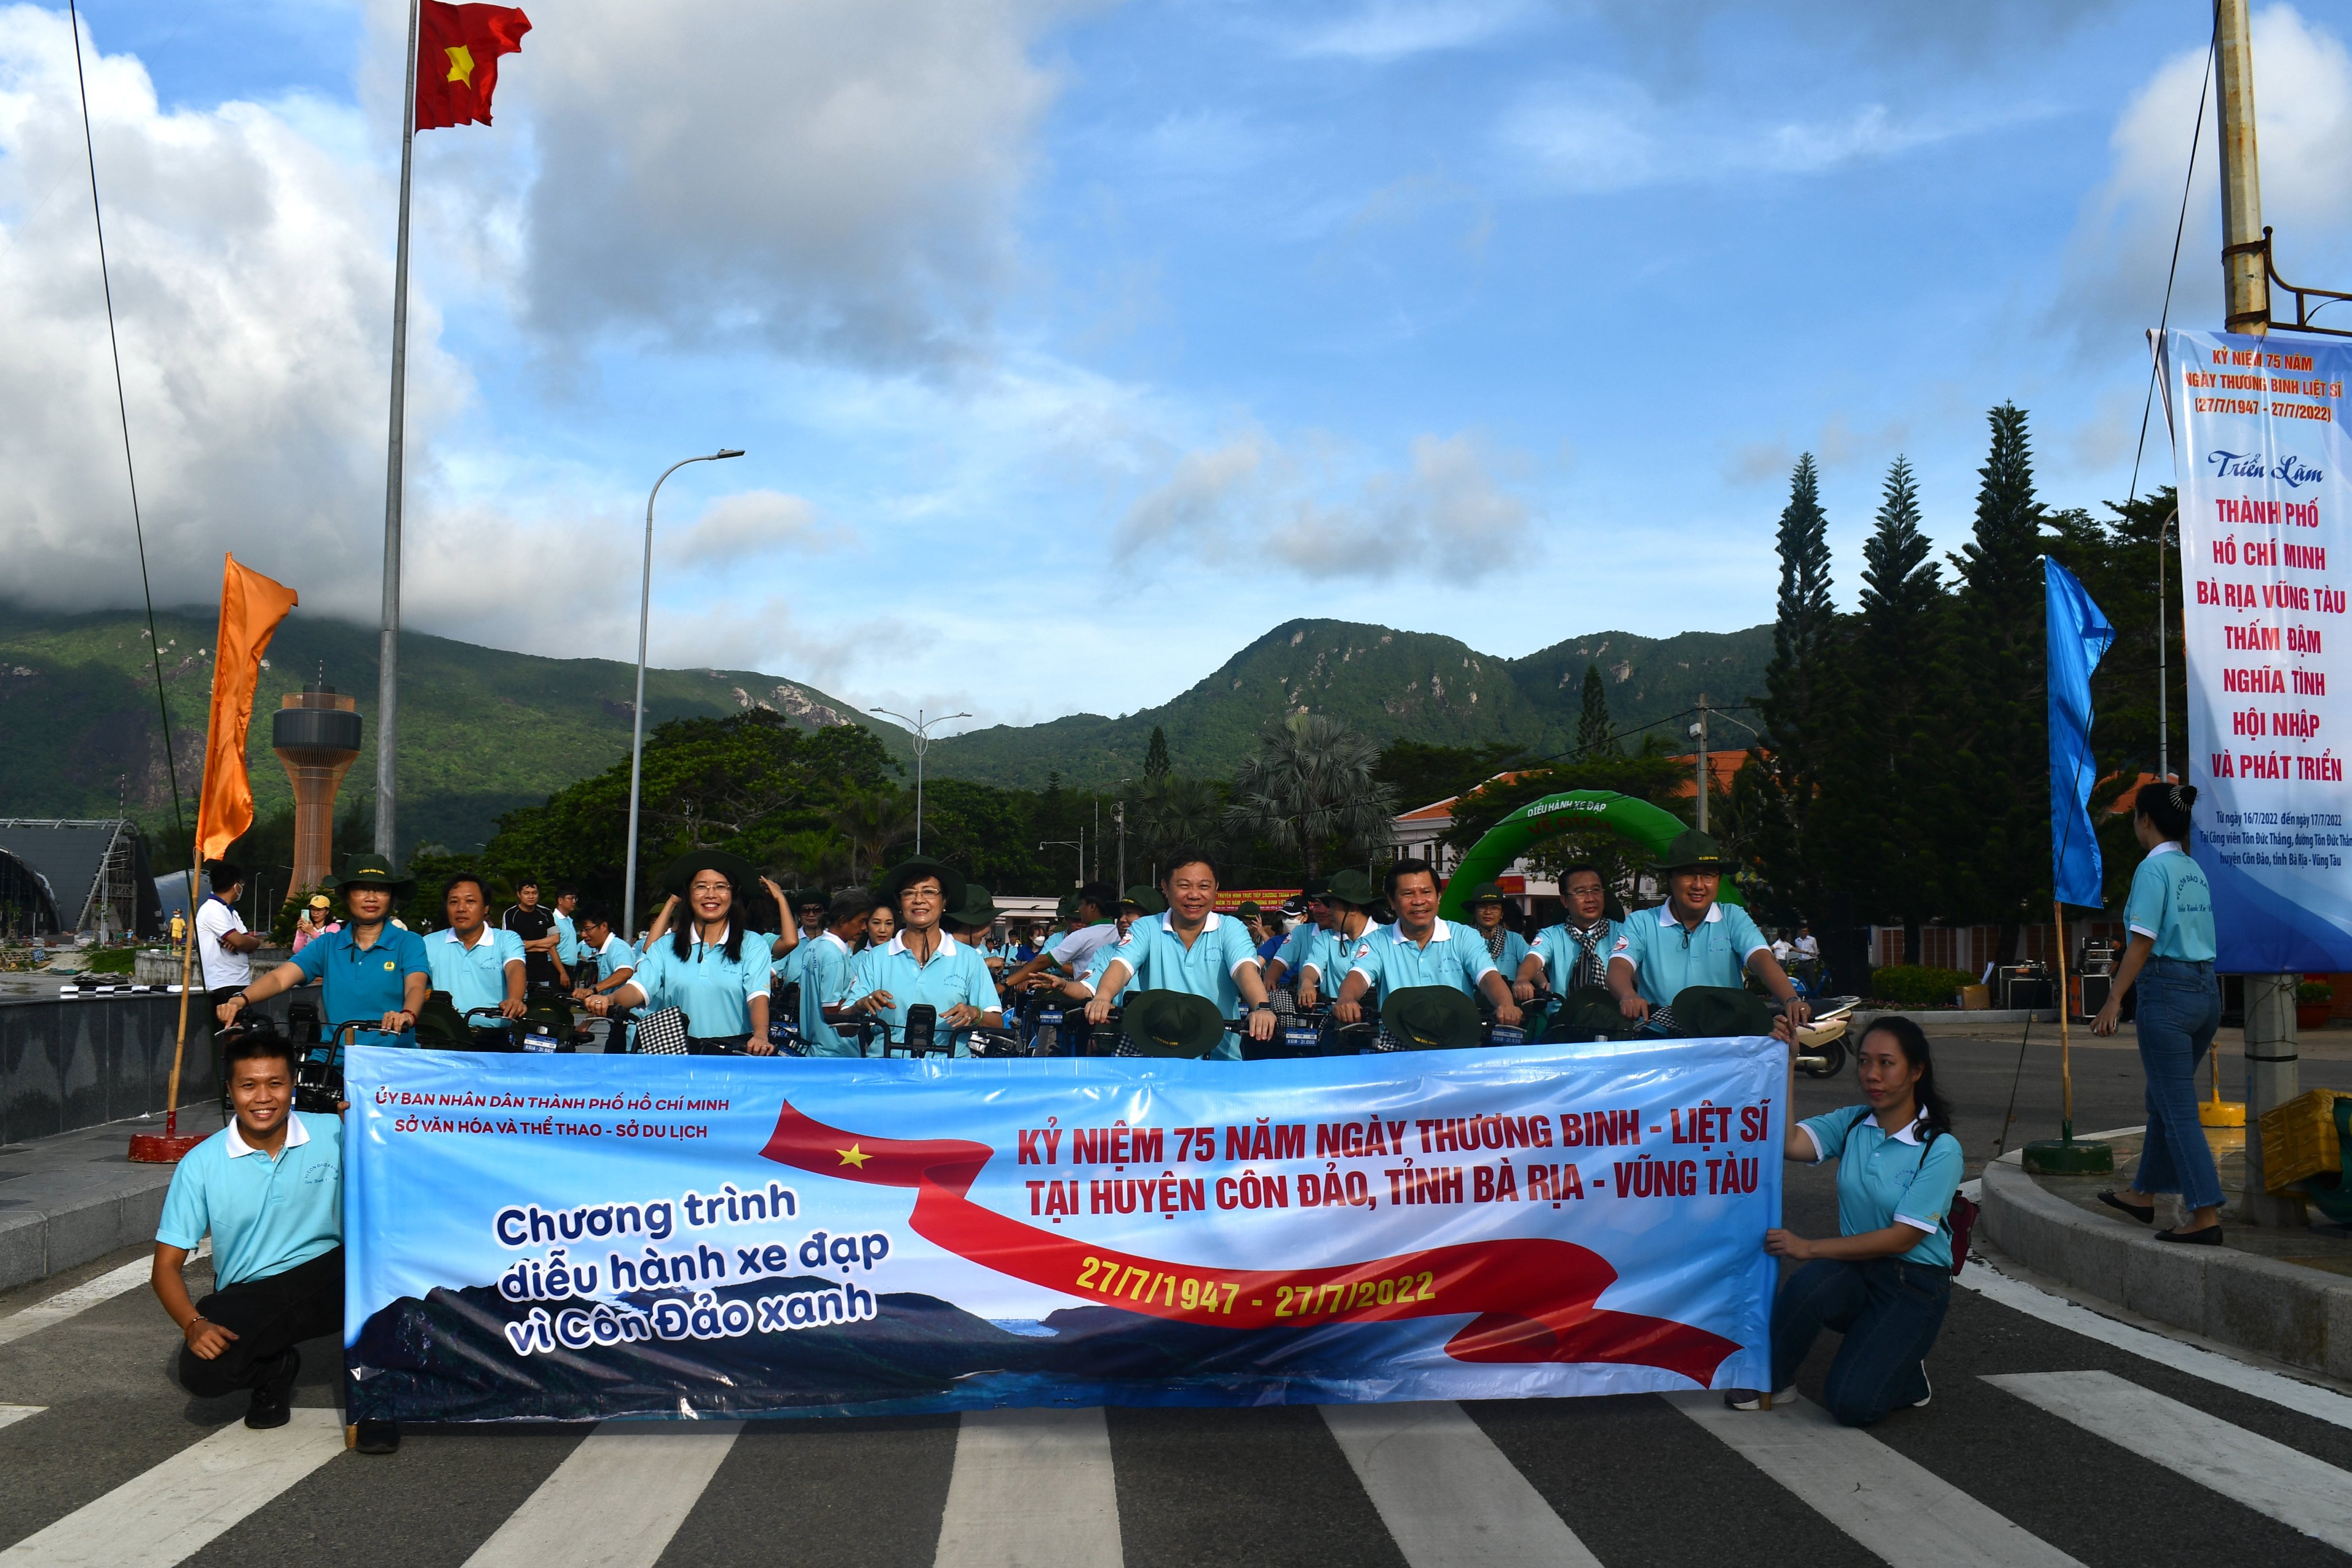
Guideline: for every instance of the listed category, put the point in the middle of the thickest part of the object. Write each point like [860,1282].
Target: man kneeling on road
[268,1188]
[1692,942]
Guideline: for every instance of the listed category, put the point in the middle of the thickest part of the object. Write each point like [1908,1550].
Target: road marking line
[169,1513]
[615,1501]
[1448,1495]
[80,1297]
[1896,1509]
[12,1414]
[2292,1394]
[1032,1489]
[2244,1466]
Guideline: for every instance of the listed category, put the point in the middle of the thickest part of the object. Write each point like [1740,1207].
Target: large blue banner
[579,1238]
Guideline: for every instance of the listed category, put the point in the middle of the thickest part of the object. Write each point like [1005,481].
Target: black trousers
[267,1316]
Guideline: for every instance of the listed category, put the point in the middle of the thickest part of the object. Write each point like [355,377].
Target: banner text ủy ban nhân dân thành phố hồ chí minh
[577,1237]
[2261,447]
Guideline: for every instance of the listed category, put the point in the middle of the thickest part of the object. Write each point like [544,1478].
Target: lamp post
[637,710]
[922,728]
[1078,844]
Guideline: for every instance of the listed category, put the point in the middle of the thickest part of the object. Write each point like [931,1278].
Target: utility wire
[122,410]
[2195,136]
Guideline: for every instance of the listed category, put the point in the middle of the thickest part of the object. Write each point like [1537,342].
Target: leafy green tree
[1173,811]
[1155,756]
[989,834]
[816,857]
[1312,783]
[1596,732]
[874,822]
[1996,846]
[1800,699]
[1420,772]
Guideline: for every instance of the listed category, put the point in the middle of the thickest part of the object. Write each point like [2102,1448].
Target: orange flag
[251,607]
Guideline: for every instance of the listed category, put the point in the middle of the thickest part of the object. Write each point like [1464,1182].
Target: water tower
[316,734]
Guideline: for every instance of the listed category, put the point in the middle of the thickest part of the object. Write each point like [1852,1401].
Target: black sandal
[2209,1236]
[2145,1215]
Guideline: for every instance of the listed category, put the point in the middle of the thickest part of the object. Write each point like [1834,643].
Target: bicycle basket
[662,1033]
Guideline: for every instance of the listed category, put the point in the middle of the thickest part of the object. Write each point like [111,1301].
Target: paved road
[2055,1437]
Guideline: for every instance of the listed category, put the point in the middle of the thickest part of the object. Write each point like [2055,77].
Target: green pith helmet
[1486,893]
[1711,1012]
[1351,886]
[1145,900]
[371,870]
[1431,1018]
[1695,851]
[1171,1024]
[978,909]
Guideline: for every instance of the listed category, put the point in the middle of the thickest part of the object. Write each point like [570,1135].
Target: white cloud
[1597,134]
[835,175]
[753,522]
[2122,243]
[1443,515]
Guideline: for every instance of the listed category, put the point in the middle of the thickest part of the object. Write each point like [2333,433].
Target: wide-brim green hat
[914,867]
[1714,1012]
[678,876]
[1695,851]
[802,898]
[1315,888]
[370,871]
[1144,898]
[1350,886]
[1171,1024]
[1431,1018]
[1486,893]
[978,909]
[1246,909]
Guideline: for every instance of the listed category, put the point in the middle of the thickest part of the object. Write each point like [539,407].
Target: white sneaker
[1751,1399]
[1921,1402]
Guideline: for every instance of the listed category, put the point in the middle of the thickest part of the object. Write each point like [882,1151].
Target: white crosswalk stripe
[1448,1495]
[165,1514]
[78,1298]
[1031,1489]
[615,1501]
[2269,1478]
[1901,1511]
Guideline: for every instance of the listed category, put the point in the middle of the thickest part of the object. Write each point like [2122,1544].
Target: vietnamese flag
[458,50]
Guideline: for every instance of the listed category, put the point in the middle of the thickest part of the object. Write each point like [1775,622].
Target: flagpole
[387,683]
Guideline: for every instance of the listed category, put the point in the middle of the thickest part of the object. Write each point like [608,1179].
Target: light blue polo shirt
[955,976]
[1559,950]
[716,994]
[614,957]
[1392,961]
[1882,1179]
[1101,962]
[1159,961]
[363,984]
[265,1215]
[567,940]
[2171,904]
[1666,959]
[1328,953]
[1298,945]
[1514,948]
[476,976]
[787,971]
[824,976]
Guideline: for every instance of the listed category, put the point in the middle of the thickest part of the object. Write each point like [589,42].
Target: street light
[1080,846]
[922,728]
[637,711]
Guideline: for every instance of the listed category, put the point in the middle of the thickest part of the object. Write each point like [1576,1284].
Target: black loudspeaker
[2032,993]
[2091,993]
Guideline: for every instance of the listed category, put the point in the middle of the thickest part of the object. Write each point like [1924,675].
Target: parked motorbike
[1821,1043]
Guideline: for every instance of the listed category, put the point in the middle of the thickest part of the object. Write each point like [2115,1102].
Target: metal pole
[638,708]
[922,729]
[2163,690]
[1699,730]
[2273,1070]
[387,677]
[1121,814]
[2245,278]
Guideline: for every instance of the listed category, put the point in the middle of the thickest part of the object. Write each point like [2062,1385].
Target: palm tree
[1173,811]
[873,821]
[1310,781]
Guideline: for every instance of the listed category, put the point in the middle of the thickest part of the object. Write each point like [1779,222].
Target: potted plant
[2314,1004]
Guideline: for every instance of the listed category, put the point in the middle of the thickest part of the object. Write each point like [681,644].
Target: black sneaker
[269,1407]
[378,1438]
[1753,1399]
[1921,1402]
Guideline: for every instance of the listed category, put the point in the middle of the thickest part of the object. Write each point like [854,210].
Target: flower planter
[2312,1014]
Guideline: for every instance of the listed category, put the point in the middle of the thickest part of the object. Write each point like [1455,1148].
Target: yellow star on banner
[853,1155]
[461,64]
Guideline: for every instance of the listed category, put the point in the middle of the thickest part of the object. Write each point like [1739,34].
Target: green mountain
[1394,684]
[482,731]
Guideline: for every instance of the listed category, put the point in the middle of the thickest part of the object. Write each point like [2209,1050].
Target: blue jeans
[1889,1311]
[2180,1008]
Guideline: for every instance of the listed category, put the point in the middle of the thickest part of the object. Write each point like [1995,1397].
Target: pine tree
[1155,756]
[1596,732]
[1998,854]
[1877,819]
[1799,699]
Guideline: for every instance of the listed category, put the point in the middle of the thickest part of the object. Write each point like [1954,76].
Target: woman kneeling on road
[1884,1280]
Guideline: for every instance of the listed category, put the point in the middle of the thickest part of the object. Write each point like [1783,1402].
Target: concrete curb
[70,1199]
[2299,1315]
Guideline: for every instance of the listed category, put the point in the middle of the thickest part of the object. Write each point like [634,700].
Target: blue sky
[1075,345]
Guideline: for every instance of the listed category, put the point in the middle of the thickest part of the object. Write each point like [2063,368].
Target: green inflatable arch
[1648,827]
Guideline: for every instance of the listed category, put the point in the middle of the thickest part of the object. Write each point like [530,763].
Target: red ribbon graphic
[1534,1299]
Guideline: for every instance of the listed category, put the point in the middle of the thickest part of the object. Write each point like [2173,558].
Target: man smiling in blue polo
[1421,949]
[1692,940]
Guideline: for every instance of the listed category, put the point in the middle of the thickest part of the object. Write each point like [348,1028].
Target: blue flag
[2079,637]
